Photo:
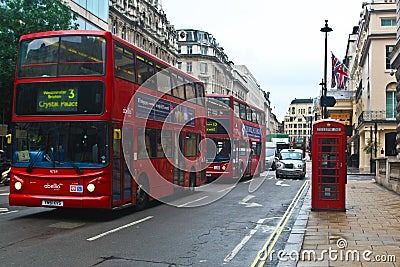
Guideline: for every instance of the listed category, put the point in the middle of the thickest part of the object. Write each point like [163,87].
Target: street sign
[328,101]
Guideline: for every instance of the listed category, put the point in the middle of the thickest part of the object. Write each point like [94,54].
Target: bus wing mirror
[8,138]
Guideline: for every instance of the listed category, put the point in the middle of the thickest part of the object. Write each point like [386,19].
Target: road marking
[226,189]
[247,198]
[263,254]
[236,250]
[8,212]
[3,209]
[190,202]
[4,194]
[249,205]
[119,228]
[252,205]
[281,183]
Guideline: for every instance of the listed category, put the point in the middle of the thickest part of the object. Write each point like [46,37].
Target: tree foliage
[19,17]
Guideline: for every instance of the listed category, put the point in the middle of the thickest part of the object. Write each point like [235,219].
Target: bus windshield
[61,144]
[62,55]
[218,149]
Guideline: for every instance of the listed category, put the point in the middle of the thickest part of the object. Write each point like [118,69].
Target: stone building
[299,118]
[140,22]
[373,102]
[201,56]
[144,24]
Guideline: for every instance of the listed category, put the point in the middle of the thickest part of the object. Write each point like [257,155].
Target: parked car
[291,163]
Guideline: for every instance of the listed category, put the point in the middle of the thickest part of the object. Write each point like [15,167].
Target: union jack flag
[339,75]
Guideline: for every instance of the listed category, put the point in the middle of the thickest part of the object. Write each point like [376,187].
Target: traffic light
[328,101]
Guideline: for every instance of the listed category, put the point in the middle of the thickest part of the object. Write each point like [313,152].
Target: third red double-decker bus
[100,123]
[299,142]
[235,138]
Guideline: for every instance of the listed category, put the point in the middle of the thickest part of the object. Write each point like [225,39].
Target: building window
[189,67]
[189,36]
[391,103]
[204,50]
[388,22]
[189,49]
[115,27]
[201,36]
[389,49]
[179,49]
[203,67]
[293,110]
[123,33]
[180,65]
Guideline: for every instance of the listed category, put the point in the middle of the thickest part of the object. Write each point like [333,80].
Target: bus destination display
[57,100]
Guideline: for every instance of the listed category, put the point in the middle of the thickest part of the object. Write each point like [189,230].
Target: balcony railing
[373,116]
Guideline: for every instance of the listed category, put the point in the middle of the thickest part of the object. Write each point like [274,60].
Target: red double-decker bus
[235,138]
[100,123]
[299,142]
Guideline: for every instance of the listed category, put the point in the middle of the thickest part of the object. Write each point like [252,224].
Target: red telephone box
[329,170]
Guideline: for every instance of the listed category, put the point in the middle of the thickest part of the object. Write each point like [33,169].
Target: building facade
[140,22]
[91,15]
[299,118]
[144,24]
[201,56]
[374,103]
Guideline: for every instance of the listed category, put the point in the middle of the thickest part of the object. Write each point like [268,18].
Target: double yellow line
[264,253]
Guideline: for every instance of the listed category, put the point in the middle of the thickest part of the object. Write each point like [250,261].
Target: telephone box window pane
[327,192]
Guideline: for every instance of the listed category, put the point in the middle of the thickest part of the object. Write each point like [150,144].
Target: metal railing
[372,116]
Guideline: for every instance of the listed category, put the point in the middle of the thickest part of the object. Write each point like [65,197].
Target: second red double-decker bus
[235,138]
[100,123]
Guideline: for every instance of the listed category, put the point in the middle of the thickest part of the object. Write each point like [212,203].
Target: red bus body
[238,133]
[299,142]
[90,99]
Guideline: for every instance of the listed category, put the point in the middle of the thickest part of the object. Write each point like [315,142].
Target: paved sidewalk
[367,232]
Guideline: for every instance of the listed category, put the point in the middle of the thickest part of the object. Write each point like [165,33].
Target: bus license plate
[53,203]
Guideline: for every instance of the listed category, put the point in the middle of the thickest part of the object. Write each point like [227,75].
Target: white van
[270,155]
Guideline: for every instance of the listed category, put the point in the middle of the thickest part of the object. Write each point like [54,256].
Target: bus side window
[124,63]
[145,72]
[190,91]
[200,93]
[163,79]
[142,152]
[179,90]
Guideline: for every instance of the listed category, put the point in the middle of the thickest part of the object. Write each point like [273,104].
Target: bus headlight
[18,185]
[91,187]
[224,168]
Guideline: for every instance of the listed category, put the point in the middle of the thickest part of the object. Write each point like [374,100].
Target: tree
[371,146]
[19,17]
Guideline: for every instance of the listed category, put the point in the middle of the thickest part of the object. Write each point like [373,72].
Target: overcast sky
[279,41]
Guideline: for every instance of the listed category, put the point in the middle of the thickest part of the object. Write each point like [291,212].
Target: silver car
[291,163]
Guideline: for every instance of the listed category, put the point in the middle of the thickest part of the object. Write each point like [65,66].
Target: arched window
[391,101]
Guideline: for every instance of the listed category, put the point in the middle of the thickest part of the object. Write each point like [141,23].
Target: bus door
[179,162]
[235,158]
[249,156]
[121,179]
[127,165]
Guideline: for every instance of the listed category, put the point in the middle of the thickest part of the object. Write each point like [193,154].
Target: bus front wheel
[241,170]
[142,196]
[192,181]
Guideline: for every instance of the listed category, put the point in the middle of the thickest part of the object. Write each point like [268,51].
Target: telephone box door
[328,166]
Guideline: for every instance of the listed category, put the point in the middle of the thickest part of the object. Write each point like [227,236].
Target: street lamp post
[325,29]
